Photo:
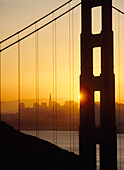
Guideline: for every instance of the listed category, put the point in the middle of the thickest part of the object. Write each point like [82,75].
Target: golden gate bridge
[89,132]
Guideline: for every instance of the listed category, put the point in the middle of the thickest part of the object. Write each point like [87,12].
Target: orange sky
[17,14]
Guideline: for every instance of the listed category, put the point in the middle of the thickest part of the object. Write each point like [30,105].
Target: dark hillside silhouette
[20,151]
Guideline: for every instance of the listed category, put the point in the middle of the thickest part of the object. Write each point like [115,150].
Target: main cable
[44,25]
[40,28]
[35,22]
[119,11]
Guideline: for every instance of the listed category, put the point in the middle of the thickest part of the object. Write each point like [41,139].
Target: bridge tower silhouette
[90,134]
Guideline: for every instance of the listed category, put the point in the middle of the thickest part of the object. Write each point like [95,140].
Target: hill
[20,151]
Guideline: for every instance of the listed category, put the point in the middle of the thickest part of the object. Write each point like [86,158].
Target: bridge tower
[90,134]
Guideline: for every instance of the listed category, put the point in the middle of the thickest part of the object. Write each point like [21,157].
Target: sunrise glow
[9,62]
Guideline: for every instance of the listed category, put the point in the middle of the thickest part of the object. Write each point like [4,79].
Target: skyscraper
[50,101]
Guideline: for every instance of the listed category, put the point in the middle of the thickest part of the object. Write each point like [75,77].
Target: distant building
[50,101]
[44,105]
[35,105]
[55,104]
[71,104]
[22,106]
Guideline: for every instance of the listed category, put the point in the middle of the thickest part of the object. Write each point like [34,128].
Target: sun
[79,96]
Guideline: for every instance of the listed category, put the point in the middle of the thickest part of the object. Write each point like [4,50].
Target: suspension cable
[36,21]
[39,28]
[56,82]
[37,80]
[119,85]
[70,73]
[53,48]
[18,83]
[73,70]
[118,10]
[43,25]
[0,83]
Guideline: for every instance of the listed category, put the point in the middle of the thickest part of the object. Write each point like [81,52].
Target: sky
[16,14]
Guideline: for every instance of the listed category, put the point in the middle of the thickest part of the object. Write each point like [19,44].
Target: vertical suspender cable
[70,74]
[37,79]
[53,48]
[18,83]
[0,82]
[119,85]
[55,82]
[120,75]
[73,70]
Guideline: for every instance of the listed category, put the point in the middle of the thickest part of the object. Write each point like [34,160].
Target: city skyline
[9,107]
